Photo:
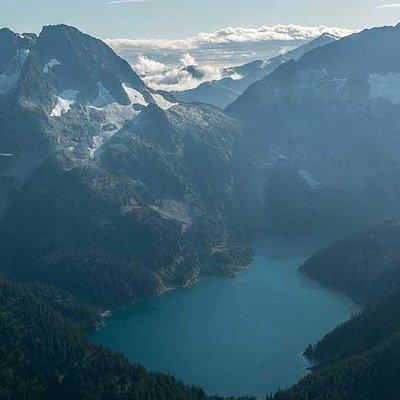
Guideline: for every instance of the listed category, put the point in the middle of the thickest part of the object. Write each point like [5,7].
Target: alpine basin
[233,336]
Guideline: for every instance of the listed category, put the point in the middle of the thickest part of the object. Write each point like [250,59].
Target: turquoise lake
[233,336]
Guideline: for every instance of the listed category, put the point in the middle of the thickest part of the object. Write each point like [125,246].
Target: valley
[218,335]
[112,193]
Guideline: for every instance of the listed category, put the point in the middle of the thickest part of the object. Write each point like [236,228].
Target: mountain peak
[13,51]
[6,32]
[61,27]
[73,60]
[327,35]
[66,34]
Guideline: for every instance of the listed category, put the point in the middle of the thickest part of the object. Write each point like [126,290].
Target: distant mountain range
[222,92]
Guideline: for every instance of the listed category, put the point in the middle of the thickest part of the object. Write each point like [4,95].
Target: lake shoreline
[252,328]
[106,313]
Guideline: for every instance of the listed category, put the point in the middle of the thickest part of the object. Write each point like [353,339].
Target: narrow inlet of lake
[233,336]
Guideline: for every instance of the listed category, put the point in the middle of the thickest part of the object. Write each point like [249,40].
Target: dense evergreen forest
[43,355]
[365,265]
[360,359]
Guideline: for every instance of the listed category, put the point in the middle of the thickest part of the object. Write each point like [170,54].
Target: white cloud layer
[187,74]
[233,35]
[146,66]
[394,5]
[178,64]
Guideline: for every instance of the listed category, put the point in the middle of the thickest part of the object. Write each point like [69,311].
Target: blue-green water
[232,336]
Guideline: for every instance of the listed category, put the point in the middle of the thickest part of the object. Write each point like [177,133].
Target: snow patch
[115,115]
[308,178]
[236,76]
[162,102]
[385,86]
[135,96]
[52,63]
[62,107]
[98,142]
[64,102]
[8,82]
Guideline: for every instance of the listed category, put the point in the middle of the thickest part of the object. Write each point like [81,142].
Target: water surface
[233,336]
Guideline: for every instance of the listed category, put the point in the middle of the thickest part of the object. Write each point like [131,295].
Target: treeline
[107,240]
[359,360]
[75,310]
[364,331]
[101,278]
[45,356]
[371,375]
[365,265]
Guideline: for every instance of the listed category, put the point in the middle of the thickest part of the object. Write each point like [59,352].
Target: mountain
[64,72]
[14,50]
[226,90]
[116,192]
[332,113]
[111,191]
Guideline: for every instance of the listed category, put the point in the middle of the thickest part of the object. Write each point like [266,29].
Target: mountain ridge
[223,92]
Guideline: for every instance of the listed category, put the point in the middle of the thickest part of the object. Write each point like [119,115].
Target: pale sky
[158,37]
[180,18]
